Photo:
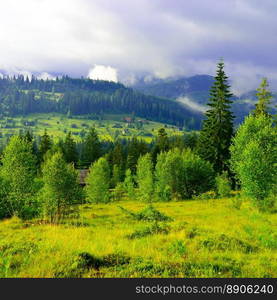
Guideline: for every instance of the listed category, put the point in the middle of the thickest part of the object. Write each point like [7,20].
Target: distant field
[204,238]
[109,128]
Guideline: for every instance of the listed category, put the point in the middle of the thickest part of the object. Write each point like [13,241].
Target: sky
[121,40]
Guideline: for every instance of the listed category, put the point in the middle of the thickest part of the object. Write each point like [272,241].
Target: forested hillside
[19,96]
[193,92]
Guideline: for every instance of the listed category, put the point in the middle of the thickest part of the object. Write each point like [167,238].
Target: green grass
[58,125]
[197,238]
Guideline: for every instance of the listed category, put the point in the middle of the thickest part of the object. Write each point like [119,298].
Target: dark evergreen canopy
[217,129]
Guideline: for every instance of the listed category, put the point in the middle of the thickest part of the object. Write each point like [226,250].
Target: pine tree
[69,149]
[116,175]
[161,145]
[217,130]
[145,178]
[264,96]
[44,145]
[133,155]
[92,148]
[117,157]
[61,189]
[98,182]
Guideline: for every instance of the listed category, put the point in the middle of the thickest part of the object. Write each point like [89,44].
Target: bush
[182,175]
[177,248]
[148,214]
[223,185]
[205,196]
[150,230]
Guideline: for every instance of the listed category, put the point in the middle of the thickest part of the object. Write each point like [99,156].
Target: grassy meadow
[195,238]
[58,125]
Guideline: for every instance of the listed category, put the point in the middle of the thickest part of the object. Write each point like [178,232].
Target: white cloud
[192,104]
[45,76]
[103,73]
[163,38]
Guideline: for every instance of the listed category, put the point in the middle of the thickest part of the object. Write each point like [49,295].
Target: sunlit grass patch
[202,239]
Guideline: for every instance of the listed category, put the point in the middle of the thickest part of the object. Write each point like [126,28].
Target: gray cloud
[159,37]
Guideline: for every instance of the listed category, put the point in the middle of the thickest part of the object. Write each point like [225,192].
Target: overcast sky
[119,39]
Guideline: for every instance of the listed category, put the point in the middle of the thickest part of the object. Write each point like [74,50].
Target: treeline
[19,96]
[40,178]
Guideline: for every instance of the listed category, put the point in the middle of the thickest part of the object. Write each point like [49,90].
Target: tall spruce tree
[92,148]
[217,129]
[161,145]
[45,145]
[264,96]
[69,149]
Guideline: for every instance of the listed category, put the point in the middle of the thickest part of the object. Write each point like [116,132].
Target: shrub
[177,248]
[205,196]
[150,230]
[148,214]
[182,175]
[223,185]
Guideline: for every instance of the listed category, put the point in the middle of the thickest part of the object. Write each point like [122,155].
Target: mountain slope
[193,93]
[89,97]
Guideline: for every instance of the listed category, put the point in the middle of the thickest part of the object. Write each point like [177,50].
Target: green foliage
[203,240]
[205,196]
[92,148]
[162,144]
[82,96]
[217,129]
[18,173]
[182,175]
[61,189]
[177,248]
[135,149]
[223,242]
[223,185]
[69,149]
[118,192]
[4,205]
[116,175]
[149,214]
[264,96]
[155,228]
[98,182]
[145,178]
[199,174]
[254,157]
[129,184]
[44,145]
